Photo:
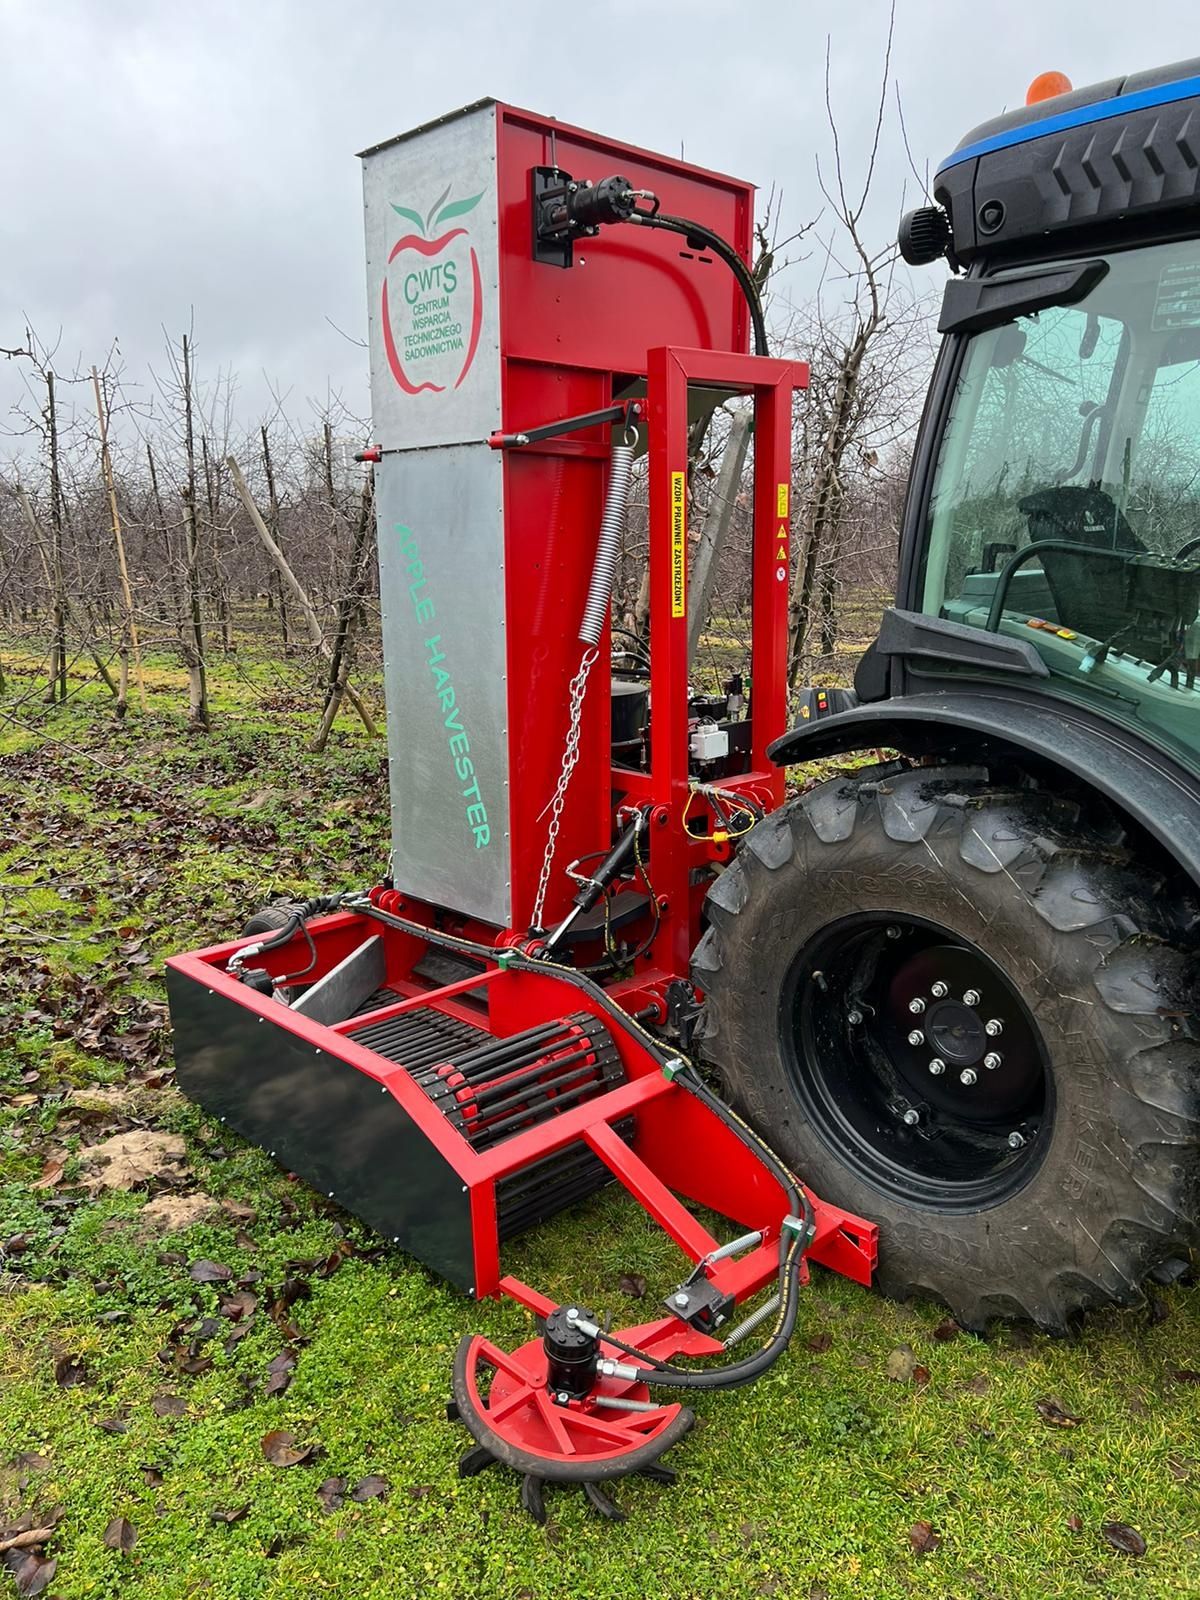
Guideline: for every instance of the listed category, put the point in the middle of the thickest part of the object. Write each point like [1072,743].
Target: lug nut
[940,990]
[916,1037]
[911,1117]
[972,997]
[916,1006]
[994,1028]
[968,1075]
[1015,1140]
[937,1066]
[992,1060]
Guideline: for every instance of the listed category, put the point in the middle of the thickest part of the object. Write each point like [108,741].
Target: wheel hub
[956,1033]
[917,1060]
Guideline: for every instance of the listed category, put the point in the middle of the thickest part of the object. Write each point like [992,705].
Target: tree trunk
[348,608]
[316,637]
[276,578]
[58,594]
[198,714]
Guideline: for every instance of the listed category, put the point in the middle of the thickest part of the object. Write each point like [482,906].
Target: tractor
[960,987]
[929,1023]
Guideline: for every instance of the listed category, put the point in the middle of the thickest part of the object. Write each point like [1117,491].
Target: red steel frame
[673,854]
[679,1148]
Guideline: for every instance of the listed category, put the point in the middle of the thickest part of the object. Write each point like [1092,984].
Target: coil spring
[608,546]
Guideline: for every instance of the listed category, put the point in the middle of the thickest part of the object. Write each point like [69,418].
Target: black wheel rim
[917,1062]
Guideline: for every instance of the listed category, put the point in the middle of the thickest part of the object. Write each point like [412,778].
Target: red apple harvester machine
[502,1027]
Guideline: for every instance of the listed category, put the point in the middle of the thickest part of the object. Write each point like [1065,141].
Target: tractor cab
[1058,501]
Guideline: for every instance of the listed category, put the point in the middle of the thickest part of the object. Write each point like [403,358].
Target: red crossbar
[665,1207]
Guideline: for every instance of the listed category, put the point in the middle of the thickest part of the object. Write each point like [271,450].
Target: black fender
[1139,779]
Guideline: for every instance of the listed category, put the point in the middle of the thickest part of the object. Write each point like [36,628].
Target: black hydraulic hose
[318,907]
[713,241]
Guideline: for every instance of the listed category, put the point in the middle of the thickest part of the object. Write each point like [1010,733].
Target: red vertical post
[667,386]
[771,566]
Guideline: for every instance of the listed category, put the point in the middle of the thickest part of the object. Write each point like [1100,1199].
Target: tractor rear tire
[965,1009]
[269,919]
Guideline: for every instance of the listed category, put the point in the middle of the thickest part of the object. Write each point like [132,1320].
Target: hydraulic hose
[608,546]
[719,247]
[318,907]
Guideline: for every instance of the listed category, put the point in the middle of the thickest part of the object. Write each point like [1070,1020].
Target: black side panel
[913,633]
[320,1118]
[1142,782]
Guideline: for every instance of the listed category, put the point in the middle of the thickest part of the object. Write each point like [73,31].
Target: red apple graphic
[432,301]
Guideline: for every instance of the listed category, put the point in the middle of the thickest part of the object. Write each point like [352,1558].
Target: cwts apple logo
[432,300]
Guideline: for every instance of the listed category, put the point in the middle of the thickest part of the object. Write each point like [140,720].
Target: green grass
[805,1486]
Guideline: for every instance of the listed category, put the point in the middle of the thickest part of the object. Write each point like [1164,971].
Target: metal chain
[569,760]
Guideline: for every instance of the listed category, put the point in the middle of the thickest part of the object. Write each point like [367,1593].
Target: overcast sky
[160,158]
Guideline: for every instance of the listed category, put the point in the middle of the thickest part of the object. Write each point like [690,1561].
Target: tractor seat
[1090,593]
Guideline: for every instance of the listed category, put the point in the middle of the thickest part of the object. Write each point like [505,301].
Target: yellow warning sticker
[781,501]
[679,544]
[781,553]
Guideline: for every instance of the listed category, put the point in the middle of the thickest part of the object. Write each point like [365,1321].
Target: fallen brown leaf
[1052,1411]
[946,1329]
[234,1514]
[279,1373]
[1124,1538]
[818,1343]
[120,1535]
[203,1271]
[632,1284]
[51,1173]
[33,1573]
[23,1541]
[372,1487]
[924,1538]
[332,1494]
[281,1450]
[241,1303]
[168,1405]
[70,1372]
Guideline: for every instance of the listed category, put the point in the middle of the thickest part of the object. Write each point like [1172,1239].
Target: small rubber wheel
[268,918]
[965,1009]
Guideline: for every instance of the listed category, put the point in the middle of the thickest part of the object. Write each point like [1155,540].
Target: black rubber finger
[475,1461]
[658,1474]
[531,1497]
[601,1504]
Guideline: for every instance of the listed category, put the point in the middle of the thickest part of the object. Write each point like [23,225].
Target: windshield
[1078,429]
